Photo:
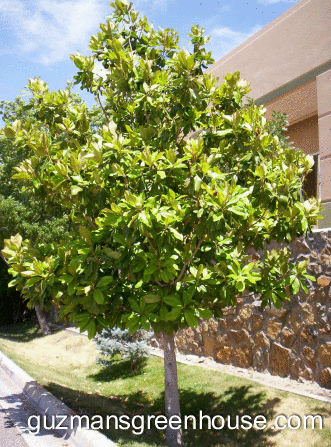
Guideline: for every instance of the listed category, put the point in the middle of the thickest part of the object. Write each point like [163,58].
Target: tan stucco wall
[324,125]
[295,43]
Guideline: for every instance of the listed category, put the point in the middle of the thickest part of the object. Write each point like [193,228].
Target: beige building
[288,63]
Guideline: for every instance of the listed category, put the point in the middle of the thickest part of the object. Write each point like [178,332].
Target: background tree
[20,211]
[162,224]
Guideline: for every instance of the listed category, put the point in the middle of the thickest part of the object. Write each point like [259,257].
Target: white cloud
[223,40]
[51,30]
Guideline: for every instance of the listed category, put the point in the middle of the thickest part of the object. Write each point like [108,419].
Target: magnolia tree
[167,199]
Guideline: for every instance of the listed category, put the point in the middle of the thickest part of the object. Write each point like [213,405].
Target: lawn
[66,365]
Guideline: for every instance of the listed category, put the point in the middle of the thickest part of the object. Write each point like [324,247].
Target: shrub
[116,341]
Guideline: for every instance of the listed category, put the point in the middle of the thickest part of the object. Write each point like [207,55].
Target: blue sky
[37,36]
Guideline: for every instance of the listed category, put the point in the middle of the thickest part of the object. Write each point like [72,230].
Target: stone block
[325,377]
[222,324]
[241,336]
[323,281]
[314,269]
[190,332]
[209,345]
[309,313]
[246,312]
[295,321]
[204,327]
[324,353]
[325,259]
[325,329]
[310,356]
[308,335]
[212,325]
[280,360]
[243,356]
[233,322]
[274,328]
[261,359]
[317,296]
[261,341]
[287,337]
[257,321]
[222,340]
[198,350]
[229,311]
[272,311]
[299,370]
[224,355]
[300,246]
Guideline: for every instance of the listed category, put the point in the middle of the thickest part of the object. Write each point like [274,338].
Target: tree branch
[187,262]
[103,110]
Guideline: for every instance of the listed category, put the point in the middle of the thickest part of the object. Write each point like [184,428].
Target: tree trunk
[174,436]
[44,326]
[54,314]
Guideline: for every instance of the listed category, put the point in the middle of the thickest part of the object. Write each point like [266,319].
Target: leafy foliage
[19,210]
[168,199]
[115,341]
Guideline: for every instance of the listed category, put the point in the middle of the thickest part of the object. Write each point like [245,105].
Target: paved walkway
[15,411]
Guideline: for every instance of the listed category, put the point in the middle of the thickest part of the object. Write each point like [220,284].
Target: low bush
[116,341]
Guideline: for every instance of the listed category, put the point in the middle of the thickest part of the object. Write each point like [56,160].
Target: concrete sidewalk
[21,397]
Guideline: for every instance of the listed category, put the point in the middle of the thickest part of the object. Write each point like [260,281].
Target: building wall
[294,341]
[288,63]
[293,47]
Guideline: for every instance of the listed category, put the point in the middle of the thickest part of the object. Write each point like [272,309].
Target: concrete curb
[47,404]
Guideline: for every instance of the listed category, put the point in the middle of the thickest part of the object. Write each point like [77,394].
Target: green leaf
[85,233]
[133,323]
[174,314]
[9,133]
[91,329]
[240,285]
[111,253]
[65,279]
[134,305]
[139,284]
[151,298]
[296,286]
[75,190]
[191,318]
[145,324]
[28,273]
[15,281]
[205,313]
[177,235]
[98,296]
[172,300]
[16,240]
[104,281]
[197,183]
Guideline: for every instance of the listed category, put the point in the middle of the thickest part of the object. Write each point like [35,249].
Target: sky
[37,36]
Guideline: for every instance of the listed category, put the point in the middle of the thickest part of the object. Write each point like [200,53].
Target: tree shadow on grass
[23,332]
[234,402]
[120,369]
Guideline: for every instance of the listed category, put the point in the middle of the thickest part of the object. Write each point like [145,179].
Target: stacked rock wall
[293,341]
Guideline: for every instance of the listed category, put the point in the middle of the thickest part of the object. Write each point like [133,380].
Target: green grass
[66,365]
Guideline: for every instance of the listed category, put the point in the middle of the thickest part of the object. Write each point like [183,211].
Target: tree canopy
[168,199]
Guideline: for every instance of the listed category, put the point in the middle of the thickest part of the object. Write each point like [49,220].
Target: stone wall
[293,341]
